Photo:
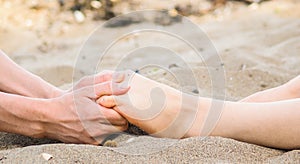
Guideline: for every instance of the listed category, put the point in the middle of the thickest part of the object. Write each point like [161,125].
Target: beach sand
[259,46]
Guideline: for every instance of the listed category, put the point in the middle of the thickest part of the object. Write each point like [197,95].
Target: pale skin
[30,106]
[270,118]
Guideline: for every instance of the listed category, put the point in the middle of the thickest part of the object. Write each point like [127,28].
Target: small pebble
[130,140]
[263,85]
[195,91]
[110,143]
[96,4]
[47,156]
[173,66]
[243,67]
[79,16]
[3,158]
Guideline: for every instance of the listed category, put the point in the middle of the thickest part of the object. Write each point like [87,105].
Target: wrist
[44,90]
[49,116]
[179,115]
[41,115]
[24,117]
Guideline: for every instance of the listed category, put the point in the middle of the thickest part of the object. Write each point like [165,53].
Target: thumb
[107,101]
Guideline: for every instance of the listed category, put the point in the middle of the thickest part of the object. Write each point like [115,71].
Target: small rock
[130,140]
[110,143]
[167,18]
[96,4]
[184,10]
[47,156]
[123,21]
[263,85]
[45,47]
[61,3]
[108,14]
[243,67]
[137,71]
[173,66]
[173,13]
[3,158]
[79,16]
[254,1]
[196,91]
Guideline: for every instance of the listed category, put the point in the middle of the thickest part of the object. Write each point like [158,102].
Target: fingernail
[101,99]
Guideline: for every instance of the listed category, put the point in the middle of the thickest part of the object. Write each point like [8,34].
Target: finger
[112,117]
[106,88]
[107,101]
[109,76]
[94,79]
[101,77]
[115,129]
[110,88]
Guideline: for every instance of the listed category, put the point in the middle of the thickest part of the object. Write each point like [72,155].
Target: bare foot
[290,90]
[166,112]
[156,108]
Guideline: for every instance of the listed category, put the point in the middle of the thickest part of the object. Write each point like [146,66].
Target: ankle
[178,116]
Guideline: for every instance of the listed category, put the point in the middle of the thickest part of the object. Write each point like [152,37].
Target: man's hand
[76,118]
[101,77]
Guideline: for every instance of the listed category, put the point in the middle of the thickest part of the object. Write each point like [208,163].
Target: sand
[258,44]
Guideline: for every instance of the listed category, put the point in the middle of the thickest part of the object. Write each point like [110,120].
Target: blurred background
[258,40]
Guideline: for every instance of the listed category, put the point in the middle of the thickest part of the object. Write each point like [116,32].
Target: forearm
[273,124]
[270,124]
[289,90]
[22,115]
[17,80]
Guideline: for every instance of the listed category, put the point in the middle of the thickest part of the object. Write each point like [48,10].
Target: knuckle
[108,86]
[125,123]
[125,127]
[79,131]
[105,113]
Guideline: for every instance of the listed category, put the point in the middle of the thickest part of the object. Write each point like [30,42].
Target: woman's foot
[165,112]
[290,90]
[156,108]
